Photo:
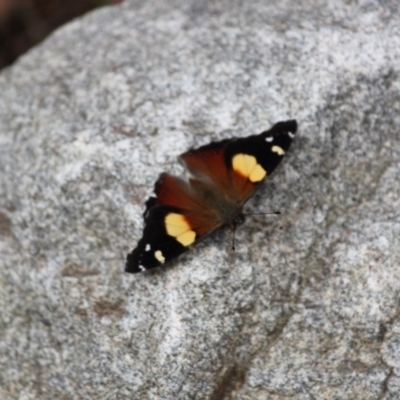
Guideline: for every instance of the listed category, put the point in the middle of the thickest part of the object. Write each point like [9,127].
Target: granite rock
[308,305]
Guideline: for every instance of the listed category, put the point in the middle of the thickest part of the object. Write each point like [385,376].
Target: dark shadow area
[24,23]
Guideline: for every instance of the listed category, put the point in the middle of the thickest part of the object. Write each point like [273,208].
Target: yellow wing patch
[248,167]
[178,227]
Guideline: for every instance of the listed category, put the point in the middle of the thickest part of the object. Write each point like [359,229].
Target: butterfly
[224,175]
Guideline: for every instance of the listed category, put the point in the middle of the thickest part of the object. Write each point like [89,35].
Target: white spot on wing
[147,248]
[269,139]
[159,256]
[291,135]
[142,268]
[278,150]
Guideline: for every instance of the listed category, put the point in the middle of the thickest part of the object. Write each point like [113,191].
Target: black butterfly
[224,175]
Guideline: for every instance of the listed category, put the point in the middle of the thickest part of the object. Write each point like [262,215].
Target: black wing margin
[155,247]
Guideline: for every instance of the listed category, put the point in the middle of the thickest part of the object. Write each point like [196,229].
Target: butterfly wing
[238,166]
[174,220]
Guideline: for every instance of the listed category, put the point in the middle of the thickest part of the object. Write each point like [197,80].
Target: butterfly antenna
[268,213]
[233,240]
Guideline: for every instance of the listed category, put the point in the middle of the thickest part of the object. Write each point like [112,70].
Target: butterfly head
[236,219]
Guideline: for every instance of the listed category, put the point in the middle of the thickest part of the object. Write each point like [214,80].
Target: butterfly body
[224,175]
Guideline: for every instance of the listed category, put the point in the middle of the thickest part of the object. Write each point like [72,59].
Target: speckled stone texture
[306,308]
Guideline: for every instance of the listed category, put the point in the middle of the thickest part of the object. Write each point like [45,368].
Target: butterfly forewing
[252,159]
[237,166]
[174,220]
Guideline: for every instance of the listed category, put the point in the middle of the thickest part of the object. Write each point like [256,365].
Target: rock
[307,307]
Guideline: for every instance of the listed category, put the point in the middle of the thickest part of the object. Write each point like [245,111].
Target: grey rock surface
[306,308]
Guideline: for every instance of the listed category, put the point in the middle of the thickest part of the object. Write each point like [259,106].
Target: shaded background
[24,23]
